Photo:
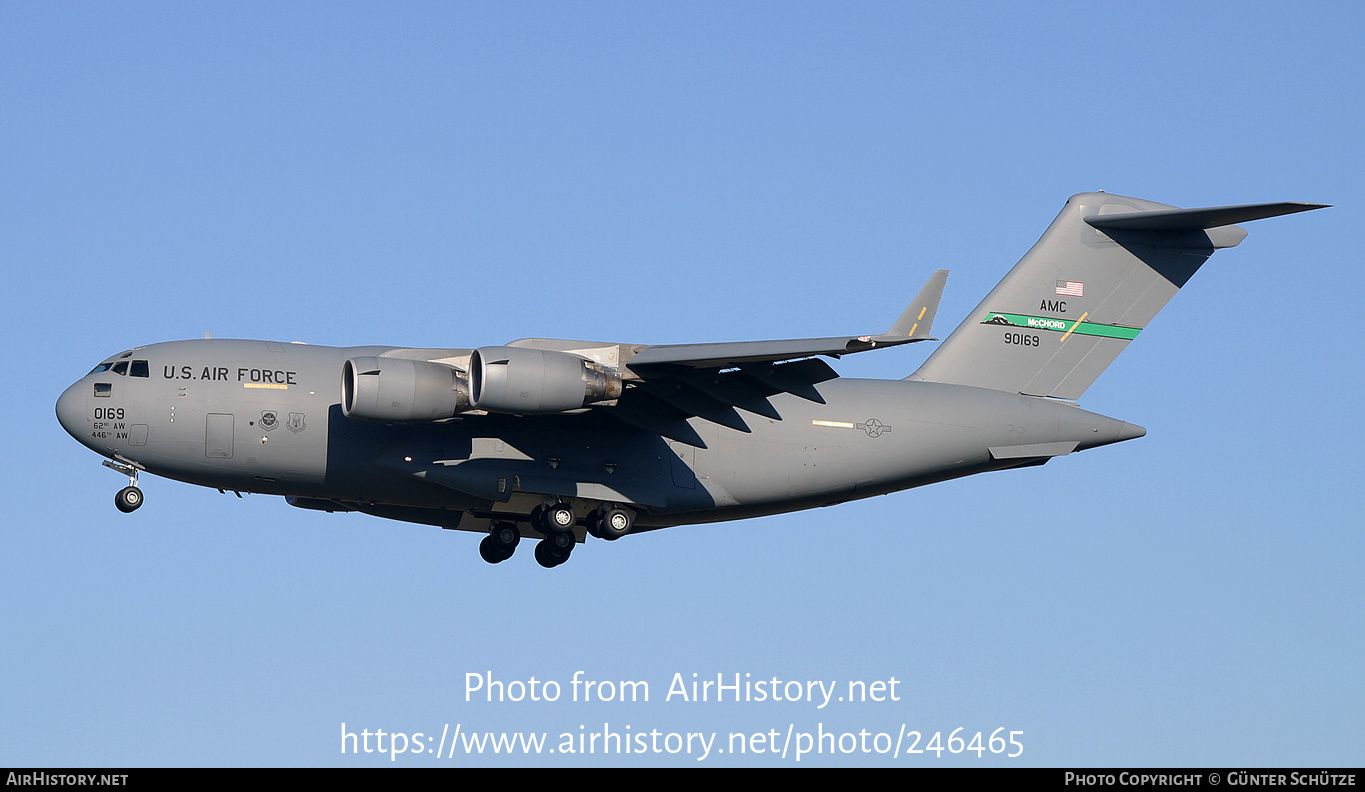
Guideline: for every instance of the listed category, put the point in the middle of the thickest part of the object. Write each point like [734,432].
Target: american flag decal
[1071,288]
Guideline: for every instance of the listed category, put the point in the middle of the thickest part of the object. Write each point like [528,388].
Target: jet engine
[533,381]
[395,390]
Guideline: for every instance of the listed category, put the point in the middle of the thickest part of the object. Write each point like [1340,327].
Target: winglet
[918,318]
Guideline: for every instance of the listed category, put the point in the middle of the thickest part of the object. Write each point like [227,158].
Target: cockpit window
[121,368]
[139,369]
[103,389]
[101,367]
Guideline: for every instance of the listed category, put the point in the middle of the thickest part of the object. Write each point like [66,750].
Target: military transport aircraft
[555,440]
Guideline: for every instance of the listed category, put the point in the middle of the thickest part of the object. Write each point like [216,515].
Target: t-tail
[1088,287]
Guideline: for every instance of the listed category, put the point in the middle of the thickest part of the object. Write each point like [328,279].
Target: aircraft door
[218,436]
[682,464]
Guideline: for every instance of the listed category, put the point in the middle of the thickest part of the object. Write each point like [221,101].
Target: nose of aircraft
[71,409]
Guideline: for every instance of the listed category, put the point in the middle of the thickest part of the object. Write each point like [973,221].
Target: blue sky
[466,174]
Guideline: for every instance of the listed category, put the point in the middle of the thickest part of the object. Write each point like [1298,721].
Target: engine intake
[537,381]
[395,390]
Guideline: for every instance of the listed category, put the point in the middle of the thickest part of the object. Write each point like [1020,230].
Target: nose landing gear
[129,498]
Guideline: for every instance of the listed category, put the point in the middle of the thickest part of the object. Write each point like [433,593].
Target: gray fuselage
[265,417]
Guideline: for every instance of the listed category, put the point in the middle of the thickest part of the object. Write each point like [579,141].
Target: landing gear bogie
[490,552]
[550,555]
[554,518]
[610,523]
[556,522]
[616,523]
[501,542]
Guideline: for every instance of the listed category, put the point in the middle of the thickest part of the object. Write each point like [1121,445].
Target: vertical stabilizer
[1088,287]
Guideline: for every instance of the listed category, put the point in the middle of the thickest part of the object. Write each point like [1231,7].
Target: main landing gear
[500,543]
[555,521]
[554,549]
[129,498]
[610,523]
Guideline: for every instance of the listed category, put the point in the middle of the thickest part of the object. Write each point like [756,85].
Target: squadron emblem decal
[269,420]
[296,423]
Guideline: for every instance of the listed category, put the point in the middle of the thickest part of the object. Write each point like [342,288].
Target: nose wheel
[129,498]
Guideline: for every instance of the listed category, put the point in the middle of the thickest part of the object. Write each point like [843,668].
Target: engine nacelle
[536,381]
[395,390]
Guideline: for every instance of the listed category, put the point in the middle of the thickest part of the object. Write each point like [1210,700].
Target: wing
[657,388]
[913,325]
[675,382]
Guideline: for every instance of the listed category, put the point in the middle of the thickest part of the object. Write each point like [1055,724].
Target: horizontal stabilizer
[1197,219]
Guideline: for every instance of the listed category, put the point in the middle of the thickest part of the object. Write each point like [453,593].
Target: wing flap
[734,353]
